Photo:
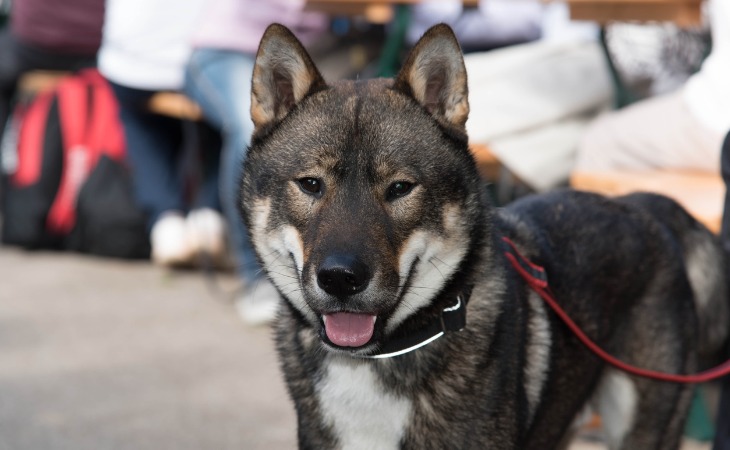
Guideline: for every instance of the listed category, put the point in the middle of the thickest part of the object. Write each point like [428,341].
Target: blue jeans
[220,82]
[155,148]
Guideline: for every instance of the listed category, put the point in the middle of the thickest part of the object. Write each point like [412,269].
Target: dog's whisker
[399,287]
[431,261]
[436,258]
[408,306]
[284,275]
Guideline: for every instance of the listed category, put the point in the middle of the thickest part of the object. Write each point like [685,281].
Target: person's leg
[656,133]
[722,426]
[209,154]
[206,227]
[153,147]
[219,81]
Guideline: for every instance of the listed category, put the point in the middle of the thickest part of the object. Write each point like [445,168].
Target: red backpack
[65,182]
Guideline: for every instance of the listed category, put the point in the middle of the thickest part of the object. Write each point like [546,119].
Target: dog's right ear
[282,76]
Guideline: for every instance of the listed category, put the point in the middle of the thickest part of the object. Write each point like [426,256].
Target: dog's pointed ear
[283,75]
[435,76]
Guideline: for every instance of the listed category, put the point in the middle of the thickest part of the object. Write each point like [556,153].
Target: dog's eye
[398,189]
[310,185]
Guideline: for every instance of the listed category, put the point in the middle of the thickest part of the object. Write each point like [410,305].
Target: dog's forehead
[355,126]
[366,115]
[372,100]
[354,102]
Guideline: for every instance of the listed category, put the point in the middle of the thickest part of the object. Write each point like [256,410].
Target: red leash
[535,276]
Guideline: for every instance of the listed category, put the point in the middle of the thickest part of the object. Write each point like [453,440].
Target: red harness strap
[536,278]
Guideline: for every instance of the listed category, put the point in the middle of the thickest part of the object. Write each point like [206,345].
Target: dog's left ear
[282,76]
[435,76]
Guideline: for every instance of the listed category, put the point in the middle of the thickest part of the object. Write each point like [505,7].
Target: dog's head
[361,197]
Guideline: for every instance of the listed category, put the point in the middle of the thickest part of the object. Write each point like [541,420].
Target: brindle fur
[514,378]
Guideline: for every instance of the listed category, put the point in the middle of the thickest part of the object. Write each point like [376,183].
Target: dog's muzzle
[343,275]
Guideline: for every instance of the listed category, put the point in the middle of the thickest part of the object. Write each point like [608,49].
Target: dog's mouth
[346,329]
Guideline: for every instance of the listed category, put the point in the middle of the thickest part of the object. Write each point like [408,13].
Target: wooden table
[375,11]
[682,12]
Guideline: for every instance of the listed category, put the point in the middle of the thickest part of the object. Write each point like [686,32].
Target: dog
[403,323]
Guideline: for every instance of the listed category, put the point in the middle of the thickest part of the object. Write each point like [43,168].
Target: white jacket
[146,43]
[707,92]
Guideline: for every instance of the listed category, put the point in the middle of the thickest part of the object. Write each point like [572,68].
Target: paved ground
[99,354]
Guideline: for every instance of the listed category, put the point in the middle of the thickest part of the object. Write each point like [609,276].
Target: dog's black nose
[343,275]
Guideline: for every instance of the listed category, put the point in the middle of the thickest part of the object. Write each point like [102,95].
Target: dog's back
[706,267]
[648,282]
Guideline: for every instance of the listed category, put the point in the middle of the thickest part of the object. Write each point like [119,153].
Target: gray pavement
[104,354]
[101,354]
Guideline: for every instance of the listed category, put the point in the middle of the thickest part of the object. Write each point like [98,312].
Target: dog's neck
[452,318]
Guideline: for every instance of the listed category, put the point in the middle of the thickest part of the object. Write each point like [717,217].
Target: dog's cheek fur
[430,258]
[281,251]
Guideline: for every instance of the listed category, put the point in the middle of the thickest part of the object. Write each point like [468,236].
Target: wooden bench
[374,11]
[702,194]
[487,163]
[172,104]
[37,81]
[175,104]
[681,12]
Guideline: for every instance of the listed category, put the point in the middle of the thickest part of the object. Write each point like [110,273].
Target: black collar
[452,318]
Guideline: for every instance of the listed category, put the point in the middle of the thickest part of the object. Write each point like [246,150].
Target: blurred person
[492,24]
[46,35]
[530,103]
[145,46]
[722,422]
[218,78]
[680,130]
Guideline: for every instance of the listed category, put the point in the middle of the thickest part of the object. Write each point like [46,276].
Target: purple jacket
[69,26]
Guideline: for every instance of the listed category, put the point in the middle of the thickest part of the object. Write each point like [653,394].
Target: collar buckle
[453,318]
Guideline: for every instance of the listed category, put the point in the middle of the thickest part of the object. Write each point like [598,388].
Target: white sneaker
[206,229]
[169,241]
[259,303]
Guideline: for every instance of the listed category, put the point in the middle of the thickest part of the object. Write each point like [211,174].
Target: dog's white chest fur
[361,413]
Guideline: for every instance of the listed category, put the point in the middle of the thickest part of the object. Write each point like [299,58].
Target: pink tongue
[348,329]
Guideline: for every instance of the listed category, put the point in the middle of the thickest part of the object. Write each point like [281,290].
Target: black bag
[65,182]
